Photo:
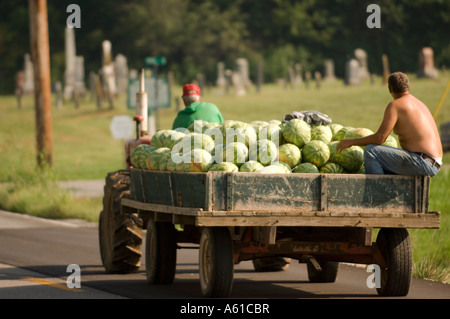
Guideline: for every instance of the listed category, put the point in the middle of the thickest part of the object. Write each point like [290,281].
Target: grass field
[83,148]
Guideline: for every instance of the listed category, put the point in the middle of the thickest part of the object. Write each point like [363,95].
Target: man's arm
[387,125]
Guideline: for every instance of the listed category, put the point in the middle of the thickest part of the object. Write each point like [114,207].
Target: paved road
[35,254]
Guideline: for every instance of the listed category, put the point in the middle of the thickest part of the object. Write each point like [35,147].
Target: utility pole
[42,93]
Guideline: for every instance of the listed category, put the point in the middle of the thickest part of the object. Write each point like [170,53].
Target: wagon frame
[319,219]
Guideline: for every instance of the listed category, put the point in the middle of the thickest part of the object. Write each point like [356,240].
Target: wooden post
[42,92]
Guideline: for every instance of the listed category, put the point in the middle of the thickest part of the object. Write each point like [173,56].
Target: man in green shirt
[195,109]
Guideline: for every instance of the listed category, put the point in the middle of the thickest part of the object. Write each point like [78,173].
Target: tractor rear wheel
[120,232]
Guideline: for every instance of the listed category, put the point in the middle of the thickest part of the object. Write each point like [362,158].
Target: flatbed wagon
[319,219]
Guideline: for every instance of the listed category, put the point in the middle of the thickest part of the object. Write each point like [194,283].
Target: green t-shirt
[197,111]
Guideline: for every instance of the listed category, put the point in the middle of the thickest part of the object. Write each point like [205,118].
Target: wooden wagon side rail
[199,217]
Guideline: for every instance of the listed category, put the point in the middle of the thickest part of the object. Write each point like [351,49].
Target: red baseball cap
[191,89]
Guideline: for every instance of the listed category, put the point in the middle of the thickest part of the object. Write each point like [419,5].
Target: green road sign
[155,60]
[163,94]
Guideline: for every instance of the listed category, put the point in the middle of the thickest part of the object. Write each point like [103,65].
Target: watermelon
[271,132]
[272,169]
[306,168]
[321,133]
[289,154]
[297,132]
[316,152]
[197,160]
[332,146]
[139,154]
[224,167]
[276,122]
[332,168]
[265,152]
[171,166]
[258,123]
[391,141]
[340,135]
[234,152]
[246,135]
[166,138]
[358,133]
[284,166]
[351,158]
[164,158]
[250,166]
[192,141]
[145,153]
[335,128]
[362,170]
[153,159]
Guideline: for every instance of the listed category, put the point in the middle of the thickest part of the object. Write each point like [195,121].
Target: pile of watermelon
[259,146]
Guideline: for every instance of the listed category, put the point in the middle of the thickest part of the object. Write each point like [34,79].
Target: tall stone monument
[74,74]
[242,70]
[69,74]
[79,75]
[121,72]
[352,69]
[426,64]
[28,85]
[221,81]
[108,72]
[361,56]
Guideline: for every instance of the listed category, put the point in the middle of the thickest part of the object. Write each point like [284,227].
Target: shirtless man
[421,152]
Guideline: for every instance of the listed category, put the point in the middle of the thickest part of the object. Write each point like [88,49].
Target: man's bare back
[411,120]
[415,126]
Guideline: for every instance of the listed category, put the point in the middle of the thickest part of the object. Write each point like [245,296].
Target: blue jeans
[381,159]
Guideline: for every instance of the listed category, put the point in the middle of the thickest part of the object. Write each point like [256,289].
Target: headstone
[238,84]
[242,69]
[79,85]
[221,81]
[361,56]
[201,81]
[386,70]
[329,71]
[70,52]
[28,86]
[107,72]
[298,73]
[352,72]
[121,72]
[426,64]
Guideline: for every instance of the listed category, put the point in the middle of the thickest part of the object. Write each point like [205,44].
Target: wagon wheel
[327,274]
[395,246]
[120,233]
[216,264]
[160,252]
